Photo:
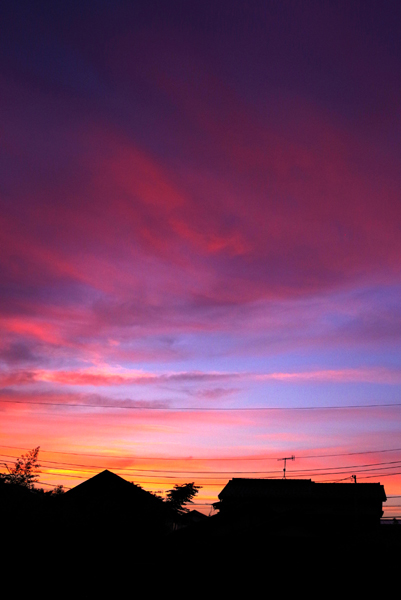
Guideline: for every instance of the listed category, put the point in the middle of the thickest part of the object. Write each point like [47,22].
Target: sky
[200,240]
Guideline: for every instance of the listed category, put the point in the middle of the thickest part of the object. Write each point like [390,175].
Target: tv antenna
[285,462]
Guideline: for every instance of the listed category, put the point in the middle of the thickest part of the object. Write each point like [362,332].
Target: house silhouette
[302,505]
[108,508]
[107,488]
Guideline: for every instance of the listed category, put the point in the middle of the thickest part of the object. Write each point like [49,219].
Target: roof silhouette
[243,488]
[193,516]
[303,501]
[107,486]
[248,488]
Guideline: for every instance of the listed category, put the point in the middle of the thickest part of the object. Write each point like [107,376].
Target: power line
[220,480]
[205,458]
[222,475]
[52,484]
[349,453]
[207,477]
[200,408]
[215,484]
[135,469]
[396,463]
[360,477]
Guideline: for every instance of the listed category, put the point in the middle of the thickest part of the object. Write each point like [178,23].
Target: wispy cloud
[208,216]
[108,377]
[367,375]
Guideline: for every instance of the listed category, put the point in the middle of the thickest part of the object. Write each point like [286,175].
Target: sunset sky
[200,217]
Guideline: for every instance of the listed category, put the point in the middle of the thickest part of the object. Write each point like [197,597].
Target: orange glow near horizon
[200,243]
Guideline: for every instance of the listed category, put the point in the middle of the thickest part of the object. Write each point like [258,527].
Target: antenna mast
[285,462]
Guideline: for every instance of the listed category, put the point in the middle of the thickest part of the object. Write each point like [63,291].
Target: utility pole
[356,507]
[285,462]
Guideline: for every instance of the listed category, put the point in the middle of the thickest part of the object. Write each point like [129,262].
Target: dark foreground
[63,553]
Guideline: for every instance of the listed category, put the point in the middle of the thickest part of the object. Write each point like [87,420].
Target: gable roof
[193,516]
[109,486]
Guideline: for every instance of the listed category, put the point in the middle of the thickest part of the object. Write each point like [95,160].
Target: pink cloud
[184,205]
[369,375]
[109,377]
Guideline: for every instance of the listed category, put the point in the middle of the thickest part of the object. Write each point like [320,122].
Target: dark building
[302,505]
[109,510]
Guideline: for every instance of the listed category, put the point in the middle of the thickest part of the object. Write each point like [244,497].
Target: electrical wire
[177,473]
[230,458]
[200,408]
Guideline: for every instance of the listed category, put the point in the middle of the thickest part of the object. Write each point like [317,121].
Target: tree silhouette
[56,491]
[25,470]
[180,495]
